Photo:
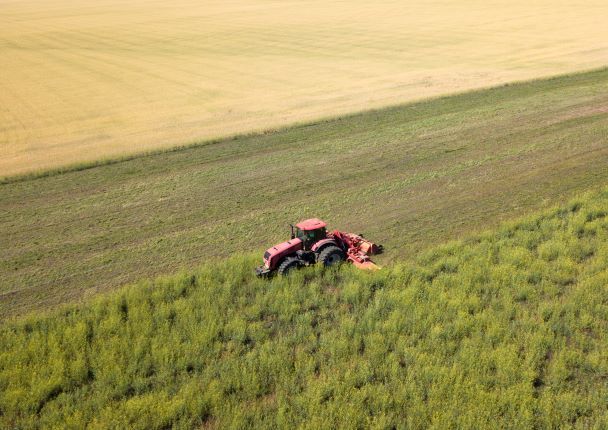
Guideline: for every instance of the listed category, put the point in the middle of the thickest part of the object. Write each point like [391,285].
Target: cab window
[311,236]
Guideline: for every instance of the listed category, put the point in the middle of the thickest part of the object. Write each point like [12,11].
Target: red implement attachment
[358,249]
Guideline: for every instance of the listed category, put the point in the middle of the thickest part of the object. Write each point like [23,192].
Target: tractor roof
[311,224]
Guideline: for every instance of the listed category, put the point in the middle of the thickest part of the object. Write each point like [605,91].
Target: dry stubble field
[81,81]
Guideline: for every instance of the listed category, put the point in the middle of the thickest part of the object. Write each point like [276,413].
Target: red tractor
[310,243]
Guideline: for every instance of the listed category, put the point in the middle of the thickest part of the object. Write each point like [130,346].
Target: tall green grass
[507,329]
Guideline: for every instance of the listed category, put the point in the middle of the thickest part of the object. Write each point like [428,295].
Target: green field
[409,177]
[468,138]
[506,329]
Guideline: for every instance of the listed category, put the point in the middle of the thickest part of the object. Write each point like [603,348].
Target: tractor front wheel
[288,265]
[331,255]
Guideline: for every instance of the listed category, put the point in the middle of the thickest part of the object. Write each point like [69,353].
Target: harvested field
[408,177]
[82,81]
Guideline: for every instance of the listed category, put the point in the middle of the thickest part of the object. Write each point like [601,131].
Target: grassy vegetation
[84,82]
[507,329]
[408,177]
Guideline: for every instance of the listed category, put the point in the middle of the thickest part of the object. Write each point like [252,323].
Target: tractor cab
[310,232]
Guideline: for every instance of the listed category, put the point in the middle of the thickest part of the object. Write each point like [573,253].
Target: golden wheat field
[81,81]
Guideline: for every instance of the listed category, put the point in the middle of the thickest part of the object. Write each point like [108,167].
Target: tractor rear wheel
[288,265]
[331,255]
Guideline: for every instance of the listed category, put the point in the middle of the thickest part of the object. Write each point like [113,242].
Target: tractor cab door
[310,237]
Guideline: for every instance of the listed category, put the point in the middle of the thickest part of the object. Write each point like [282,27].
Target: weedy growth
[506,329]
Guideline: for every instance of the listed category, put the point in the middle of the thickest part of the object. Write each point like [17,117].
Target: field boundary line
[70,168]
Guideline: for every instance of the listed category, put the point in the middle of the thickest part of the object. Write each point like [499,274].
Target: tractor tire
[331,255]
[289,264]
